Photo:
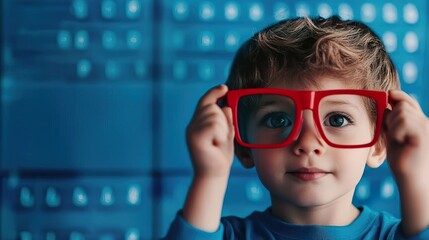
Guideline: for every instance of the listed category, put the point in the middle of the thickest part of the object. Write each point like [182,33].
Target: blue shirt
[262,225]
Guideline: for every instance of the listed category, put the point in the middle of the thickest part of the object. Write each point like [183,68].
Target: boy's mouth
[308,174]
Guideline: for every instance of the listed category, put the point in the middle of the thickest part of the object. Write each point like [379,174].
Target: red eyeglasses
[272,118]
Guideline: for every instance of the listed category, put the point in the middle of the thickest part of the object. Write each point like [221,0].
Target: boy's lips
[308,174]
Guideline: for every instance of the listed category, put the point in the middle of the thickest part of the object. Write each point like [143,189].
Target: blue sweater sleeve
[181,229]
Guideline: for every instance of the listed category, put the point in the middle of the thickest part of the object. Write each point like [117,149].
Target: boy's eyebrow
[341,102]
[270,101]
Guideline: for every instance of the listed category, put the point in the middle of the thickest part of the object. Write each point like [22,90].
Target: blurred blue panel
[174,189]
[80,209]
[76,118]
[77,127]
[178,105]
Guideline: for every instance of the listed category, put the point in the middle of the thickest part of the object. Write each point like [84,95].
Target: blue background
[96,96]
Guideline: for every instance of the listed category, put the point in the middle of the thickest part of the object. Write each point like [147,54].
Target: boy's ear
[245,156]
[377,154]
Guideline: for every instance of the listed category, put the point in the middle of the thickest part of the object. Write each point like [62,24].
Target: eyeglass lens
[345,119]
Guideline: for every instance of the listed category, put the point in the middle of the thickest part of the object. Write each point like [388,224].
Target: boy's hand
[407,139]
[210,136]
[408,156]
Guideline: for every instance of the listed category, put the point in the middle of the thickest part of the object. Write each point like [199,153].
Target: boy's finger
[396,96]
[213,95]
[228,114]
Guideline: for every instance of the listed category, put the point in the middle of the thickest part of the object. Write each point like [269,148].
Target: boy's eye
[277,120]
[337,120]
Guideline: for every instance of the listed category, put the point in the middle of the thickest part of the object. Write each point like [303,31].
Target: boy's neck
[341,213]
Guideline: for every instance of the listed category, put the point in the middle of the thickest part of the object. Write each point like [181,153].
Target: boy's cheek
[270,154]
[273,159]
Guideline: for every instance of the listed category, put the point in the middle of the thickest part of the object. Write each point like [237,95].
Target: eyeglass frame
[306,100]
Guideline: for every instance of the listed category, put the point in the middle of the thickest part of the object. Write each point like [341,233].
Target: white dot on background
[411,42]
[363,190]
[390,41]
[181,10]
[345,11]
[256,12]
[368,12]
[254,191]
[207,11]
[302,10]
[81,39]
[132,234]
[64,39]
[281,11]
[231,40]
[133,196]
[133,9]
[83,68]
[411,13]
[387,188]
[410,72]
[133,39]
[324,10]
[390,13]
[206,39]
[231,11]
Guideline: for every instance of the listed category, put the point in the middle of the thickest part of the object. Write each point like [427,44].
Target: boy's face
[310,173]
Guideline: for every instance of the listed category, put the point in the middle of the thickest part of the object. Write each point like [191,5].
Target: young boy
[309,144]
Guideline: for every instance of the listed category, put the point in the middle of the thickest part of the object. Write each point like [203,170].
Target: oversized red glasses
[272,118]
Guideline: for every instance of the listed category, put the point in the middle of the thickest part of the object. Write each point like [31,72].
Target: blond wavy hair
[300,50]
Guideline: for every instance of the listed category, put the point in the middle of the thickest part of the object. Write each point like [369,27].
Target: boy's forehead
[322,82]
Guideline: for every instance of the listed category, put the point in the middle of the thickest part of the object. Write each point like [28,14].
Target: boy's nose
[309,140]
